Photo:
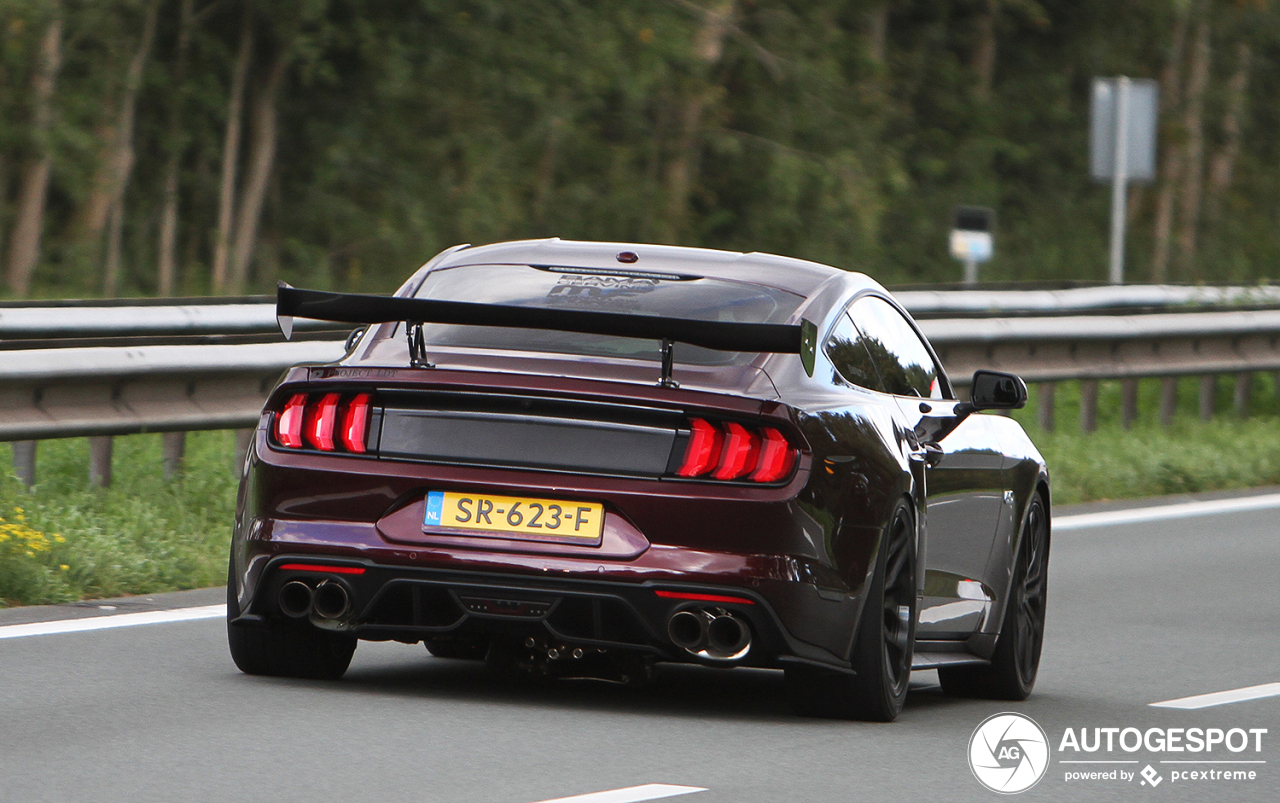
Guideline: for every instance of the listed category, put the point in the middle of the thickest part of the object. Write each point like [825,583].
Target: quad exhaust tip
[295,599]
[329,600]
[710,633]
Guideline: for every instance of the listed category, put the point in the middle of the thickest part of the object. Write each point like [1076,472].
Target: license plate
[518,516]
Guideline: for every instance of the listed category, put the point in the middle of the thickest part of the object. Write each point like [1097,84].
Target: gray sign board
[1143,115]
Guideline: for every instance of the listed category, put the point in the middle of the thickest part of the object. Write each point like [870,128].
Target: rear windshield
[662,295]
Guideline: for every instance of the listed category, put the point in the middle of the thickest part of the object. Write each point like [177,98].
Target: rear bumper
[412,603]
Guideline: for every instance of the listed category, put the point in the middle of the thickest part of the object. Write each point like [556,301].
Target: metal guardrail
[116,390]
[1078,300]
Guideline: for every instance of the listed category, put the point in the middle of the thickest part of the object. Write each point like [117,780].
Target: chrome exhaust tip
[295,599]
[728,638]
[688,630]
[711,634]
[330,600]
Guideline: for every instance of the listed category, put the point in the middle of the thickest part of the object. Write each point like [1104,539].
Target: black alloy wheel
[1012,672]
[881,660]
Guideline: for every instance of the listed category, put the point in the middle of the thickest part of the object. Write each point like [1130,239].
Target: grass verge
[64,541]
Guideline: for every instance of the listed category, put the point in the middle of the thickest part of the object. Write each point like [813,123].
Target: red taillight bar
[703,451]
[316,567]
[703,597]
[731,451]
[355,424]
[776,457]
[289,422]
[325,422]
[741,450]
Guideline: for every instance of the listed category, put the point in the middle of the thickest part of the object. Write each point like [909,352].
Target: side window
[897,351]
[848,353]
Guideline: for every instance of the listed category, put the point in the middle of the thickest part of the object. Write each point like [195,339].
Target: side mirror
[994,390]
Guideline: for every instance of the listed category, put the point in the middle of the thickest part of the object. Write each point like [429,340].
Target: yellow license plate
[551,519]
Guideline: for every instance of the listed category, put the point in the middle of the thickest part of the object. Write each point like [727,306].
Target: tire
[1011,675]
[285,647]
[881,659]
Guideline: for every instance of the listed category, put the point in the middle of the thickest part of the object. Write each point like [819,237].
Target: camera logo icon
[1008,753]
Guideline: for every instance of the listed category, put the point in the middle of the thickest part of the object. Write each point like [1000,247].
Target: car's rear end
[543,500]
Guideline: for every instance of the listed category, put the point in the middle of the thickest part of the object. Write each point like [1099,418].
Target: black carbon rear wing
[292,302]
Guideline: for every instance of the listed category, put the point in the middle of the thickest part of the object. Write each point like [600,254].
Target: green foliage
[1150,460]
[407,127]
[65,541]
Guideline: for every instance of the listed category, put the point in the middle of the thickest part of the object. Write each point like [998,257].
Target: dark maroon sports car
[578,459]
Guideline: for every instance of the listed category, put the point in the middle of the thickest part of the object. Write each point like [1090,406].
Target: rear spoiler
[292,302]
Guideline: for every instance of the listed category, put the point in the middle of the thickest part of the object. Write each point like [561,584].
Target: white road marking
[1162,512]
[1223,697]
[116,620]
[632,794]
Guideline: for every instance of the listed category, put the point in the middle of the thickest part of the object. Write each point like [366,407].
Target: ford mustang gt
[579,459]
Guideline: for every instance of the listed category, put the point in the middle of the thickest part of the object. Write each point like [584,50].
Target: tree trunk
[167,269]
[1171,159]
[984,51]
[708,46]
[878,33]
[544,179]
[261,158]
[1193,174]
[123,155]
[24,245]
[231,153]
[1223,164]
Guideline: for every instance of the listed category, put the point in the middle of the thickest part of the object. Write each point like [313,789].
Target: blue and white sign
[435,505]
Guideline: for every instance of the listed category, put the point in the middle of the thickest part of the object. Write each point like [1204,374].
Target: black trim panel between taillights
[534,433]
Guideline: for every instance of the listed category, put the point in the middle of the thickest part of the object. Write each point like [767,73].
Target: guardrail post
[1128,402]
[1168,399]
[100,461]
[24,461]
[1208,396]
[1243,394]
[1044,405]
[1088,405]
[174,446]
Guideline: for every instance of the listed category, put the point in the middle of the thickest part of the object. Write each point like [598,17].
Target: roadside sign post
[971,241]
[1122,147]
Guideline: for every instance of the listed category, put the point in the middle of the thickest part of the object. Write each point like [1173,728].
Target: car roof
[798,276]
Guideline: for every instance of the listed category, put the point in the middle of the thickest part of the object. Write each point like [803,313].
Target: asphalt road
[1138,613]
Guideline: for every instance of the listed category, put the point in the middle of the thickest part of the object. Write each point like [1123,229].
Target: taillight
[325,421]
[322,419]
[732,451]
[355,424]
[776,457]
[704,449]
[289,422]
[741,450]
